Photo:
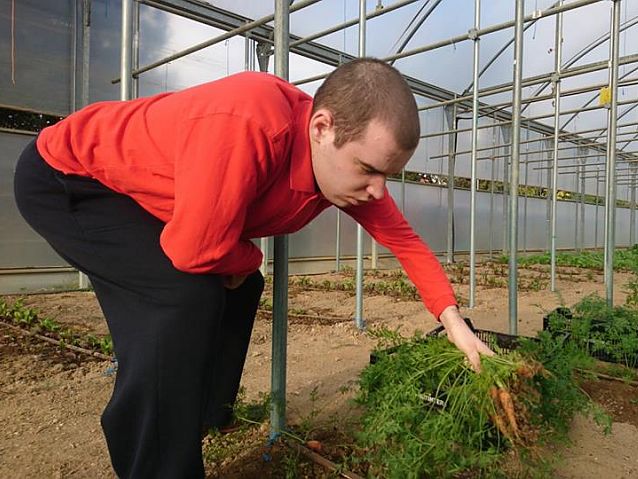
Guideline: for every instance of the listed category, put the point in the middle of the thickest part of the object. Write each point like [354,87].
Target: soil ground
[51,400]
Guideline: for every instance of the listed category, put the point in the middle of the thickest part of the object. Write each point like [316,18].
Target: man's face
[356,172]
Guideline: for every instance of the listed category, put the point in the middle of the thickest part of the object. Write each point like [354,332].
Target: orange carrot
[494,395]
[508,406]
[500,425]
[525,371]
[314,446]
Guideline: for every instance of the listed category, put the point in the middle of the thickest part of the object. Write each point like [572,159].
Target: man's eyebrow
[370,167]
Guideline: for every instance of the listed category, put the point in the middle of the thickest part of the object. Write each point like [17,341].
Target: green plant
[265,303]
[426,414]
[600,330]
[49,325]
[561,392]
[26,317]
[307,422]
[632,292]
[624,259]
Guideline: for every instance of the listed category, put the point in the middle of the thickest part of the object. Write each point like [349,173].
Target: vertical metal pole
[597,208]
[126,50]
[247,51]
[76,22]
[632,212]
[610,165]
[403,191]
[338,242]
[280,278]
[135,55]
[516,140]
[86,50]
[558,53]
[493,179]
[450,113]
[526,183]
[249,64]
[358,317]
[577,207]
[506,132]
[582,205]
[475,107]
[548,215]
[83,20]
[374,263]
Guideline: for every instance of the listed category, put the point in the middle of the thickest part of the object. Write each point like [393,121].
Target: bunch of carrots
[426,410]
[511,413]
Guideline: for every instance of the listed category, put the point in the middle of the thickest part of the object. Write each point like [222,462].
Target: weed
[347,270]
[29,318]
[265,303]
[306,424]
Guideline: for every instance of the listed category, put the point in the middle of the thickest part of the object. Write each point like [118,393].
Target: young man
[157,199]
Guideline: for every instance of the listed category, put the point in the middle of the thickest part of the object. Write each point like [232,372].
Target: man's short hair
[366,89]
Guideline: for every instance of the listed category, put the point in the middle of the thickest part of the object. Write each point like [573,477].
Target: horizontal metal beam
[591,145]
[350,23]
[225,20]
[632,159]
[535,80]
[554,10]
[566,93]
[239,30]
[536,140]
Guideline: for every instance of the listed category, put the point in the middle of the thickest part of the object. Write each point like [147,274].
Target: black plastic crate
[593,346]
[506,342]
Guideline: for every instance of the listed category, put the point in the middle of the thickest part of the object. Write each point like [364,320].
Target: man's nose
[376,188]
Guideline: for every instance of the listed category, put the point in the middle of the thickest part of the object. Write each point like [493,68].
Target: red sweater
[221,163]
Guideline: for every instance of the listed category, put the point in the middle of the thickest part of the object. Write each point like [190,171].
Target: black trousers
[180,339]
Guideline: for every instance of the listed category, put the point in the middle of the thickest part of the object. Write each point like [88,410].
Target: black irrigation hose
[322,461]
[57,342]
[319,319]
[78,349]
[608,377]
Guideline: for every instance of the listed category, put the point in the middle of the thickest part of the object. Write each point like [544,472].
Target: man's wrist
[451,317]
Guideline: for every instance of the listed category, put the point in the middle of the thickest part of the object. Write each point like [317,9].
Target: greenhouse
[522,186]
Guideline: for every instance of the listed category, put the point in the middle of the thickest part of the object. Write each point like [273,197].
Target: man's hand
[463,338]
[234,281]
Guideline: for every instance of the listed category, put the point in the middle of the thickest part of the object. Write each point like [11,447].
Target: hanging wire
[407,28]
[344,32]
[13,42]
[535,23]
[624,47]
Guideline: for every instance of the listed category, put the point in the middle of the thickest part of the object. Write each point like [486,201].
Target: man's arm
[383,220]
[463,338]
[216,177]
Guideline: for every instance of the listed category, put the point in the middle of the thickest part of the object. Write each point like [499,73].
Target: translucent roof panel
[448,68]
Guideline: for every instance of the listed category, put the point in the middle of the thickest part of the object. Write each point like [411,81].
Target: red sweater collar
[302,177]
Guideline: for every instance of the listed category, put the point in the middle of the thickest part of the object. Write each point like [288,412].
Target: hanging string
[13,42]
[536,22]
[343,49]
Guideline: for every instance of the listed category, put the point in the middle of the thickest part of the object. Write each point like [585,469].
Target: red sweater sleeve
[217,162]
[383,220]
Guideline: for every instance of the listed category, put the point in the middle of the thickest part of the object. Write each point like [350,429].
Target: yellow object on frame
[605,96]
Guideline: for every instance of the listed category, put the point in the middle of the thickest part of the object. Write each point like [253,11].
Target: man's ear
[321,125]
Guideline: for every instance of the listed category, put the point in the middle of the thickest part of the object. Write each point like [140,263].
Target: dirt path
[50,402]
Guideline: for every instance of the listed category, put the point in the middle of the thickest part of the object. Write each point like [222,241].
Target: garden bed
[50,401]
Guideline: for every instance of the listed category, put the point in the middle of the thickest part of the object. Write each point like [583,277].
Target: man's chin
[340,203]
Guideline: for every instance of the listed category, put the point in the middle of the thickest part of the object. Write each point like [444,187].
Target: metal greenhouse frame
[555,151]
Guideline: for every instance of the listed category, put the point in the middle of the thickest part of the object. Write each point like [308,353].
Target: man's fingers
[483,349]
[475,361]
